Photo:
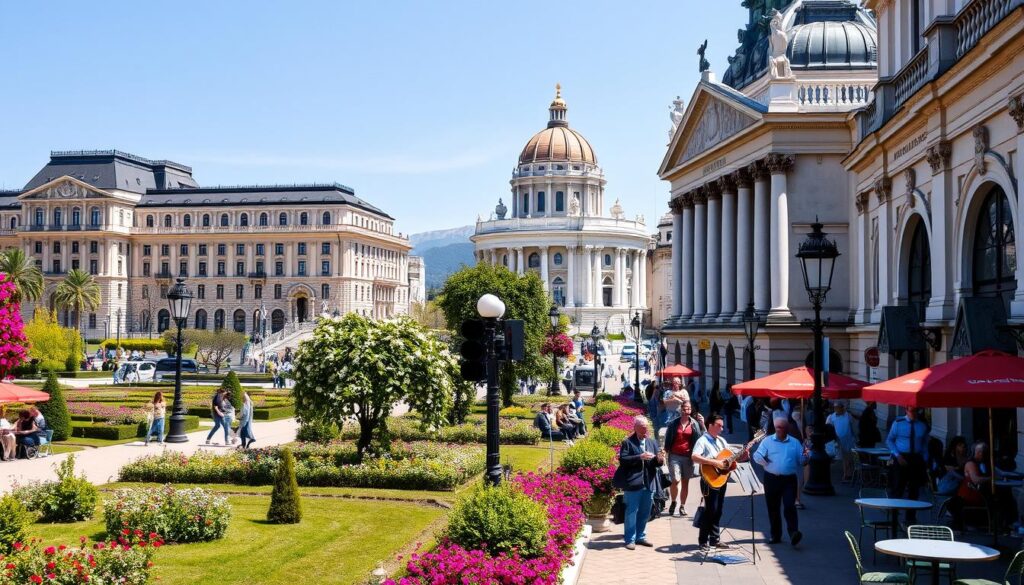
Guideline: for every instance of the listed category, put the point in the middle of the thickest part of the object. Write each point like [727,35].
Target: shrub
[176,515]
[586,454]
[604,397]
[502,519]
[516,412]
[135,344]
[69,499]
[285,507]
[14,519]
[511,432]
[101,563]
[55,410]
[314,431]
[606,407]
[232,385]
[606,435]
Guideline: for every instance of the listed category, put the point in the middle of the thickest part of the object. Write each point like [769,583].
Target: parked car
[628,352]
[141,371]
[165,368]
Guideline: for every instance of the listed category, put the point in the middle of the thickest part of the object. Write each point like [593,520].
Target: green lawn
[531,457]
[339,541]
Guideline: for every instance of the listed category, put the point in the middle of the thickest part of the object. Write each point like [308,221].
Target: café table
[936,551]
[872,451]
[892,506]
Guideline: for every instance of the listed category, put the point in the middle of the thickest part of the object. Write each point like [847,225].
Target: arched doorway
[301,309]
[558,291]
[276,320]
[835,361]
[201,319]
[606,292]
[678,353]
[163,320]
[702,380]
[218,319]
[730,367]
[716,372]
[919,288]
[238,320]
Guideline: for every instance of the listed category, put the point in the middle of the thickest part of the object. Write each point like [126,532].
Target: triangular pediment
[716,113]
[65,188]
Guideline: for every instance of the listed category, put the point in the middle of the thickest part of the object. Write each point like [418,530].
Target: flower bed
[175,515]
[562,497]
[103,563]
[616,414]
[411,466]
[512,431]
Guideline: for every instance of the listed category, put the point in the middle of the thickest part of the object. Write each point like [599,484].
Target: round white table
[892,506]
[873,451]
[936,551]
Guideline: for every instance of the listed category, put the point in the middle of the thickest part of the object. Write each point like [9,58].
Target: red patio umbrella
[798,383]
[678,371]
[989,379]
[14,393]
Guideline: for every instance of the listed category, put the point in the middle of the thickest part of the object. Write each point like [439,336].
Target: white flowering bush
[359,368]
[176,515]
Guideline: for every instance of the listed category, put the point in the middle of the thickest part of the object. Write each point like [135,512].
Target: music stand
[745,478]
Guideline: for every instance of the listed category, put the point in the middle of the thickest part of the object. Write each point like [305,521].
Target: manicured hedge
[93,430]
[259,413]
[210,377]
[135,344]
[78,374]
[510,432]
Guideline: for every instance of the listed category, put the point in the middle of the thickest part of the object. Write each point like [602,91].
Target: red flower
[35,579]
[50,551]
[9,566]
[62,547]
[50,566]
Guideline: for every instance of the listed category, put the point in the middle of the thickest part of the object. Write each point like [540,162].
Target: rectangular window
[279,249]
[325,291]
[92,320]
[220,292]
[222,249]
[74,247]
[325,268]
[145,269]
[202,249]
[163,291]
[540,202]
[260,268]
[559,201]
[302,248]
[260,249]
[74,264]
[277,291]
[120,267]
[325,248]
[302,268]
[183,268]
[183,250]
[221,270]
[165,268]
[93,267]
[165,250]
[202,269]
[240,249]
[56,247]
[257,291]
[239,291]
[201,291]
[119,290]
[278,268]
[239,268]
[39,247]
[94,247]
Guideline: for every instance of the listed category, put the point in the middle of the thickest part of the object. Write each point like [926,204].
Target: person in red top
[680,436]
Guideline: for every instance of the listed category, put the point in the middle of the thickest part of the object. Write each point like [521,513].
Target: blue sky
[422,107]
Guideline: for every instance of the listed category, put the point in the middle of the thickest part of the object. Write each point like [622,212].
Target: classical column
[728,257]
[863,290]
[687,266]
[883,189]
[940,306]
[193,260]
[598,298]
[762,269]
[677,258]
[289,269]
[620,276]
[639,277]
[174,260]
[779,166]
[714,252]
[544,267]
[700,253]
[1015,108]
[620,284]
[520,262]
[588,279]
[570,277]
[744,241]
[102,258]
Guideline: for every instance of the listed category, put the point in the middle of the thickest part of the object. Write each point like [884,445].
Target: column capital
[1015,107]
[676,205]
[743,177]
[713,190]
[543,249]
[571,249]
[938,156]
[759,170]
[727,184]
[883,188]
[687,199]
[700,196]
[588,247]
[779,163]
[862,201]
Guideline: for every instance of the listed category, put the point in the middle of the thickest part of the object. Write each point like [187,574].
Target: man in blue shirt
[908,442]
[782,457]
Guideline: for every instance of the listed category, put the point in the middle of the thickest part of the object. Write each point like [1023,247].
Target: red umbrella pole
[991,452]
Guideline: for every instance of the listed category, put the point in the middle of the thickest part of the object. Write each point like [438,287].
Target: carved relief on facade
[938,156]
[862,201]
[1016,110]
[980,148]
[700,196]
[717,121]
[883,188]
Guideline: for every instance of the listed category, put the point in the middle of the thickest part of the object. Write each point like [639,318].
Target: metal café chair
[876,520]
[873,577]
[924,532]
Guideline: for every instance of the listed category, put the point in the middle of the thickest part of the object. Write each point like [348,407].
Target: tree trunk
[508,384]
[365,437]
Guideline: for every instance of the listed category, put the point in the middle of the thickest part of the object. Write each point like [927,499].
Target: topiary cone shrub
[285,507]
[55,410]
[232,385]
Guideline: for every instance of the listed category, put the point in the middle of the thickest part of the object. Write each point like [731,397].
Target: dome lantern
[557,109]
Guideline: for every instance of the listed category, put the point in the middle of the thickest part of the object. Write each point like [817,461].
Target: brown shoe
[630,546]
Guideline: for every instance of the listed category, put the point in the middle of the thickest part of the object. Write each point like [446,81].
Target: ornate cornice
[778,163]
[1016,110]
[883,188]
[727,184]
[742,177]
[700,196]
[938,156]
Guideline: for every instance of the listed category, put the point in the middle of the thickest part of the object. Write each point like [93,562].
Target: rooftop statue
[500,209]
[704,64]
[676,111]
[778,41]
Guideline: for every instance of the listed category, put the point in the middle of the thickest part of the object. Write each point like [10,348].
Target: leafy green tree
[354,367]
[54,346]
[524,299]
[22,270]
[232,385]
[285,506]
[78,292]
[55,410]
[169,341]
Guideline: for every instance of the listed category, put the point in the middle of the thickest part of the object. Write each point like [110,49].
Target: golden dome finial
[558,90]
[558,102]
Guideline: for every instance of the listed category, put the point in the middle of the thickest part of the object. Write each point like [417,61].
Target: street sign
[872,357]
[704,344]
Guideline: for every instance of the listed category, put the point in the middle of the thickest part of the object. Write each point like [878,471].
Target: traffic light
[473,365]
[515,340]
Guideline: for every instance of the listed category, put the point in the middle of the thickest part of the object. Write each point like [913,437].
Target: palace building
[592,263]
[137,225]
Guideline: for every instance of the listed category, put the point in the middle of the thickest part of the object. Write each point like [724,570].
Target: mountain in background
[443,252]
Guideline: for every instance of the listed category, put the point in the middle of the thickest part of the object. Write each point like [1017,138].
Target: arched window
[163,321]
[243,220]
[218,319]
[607,259]
[94,216]
[263,219]
[206,220]
[303,218]
[629,260]
[276,320]
[58,216]
[504,260]
[187,220]
[201,319]
[558,291]
[326,219]
[76,216]
[238,321]
[39,216]
[558,259]
[14,222]
[606,292]
[223,220]
[282,219]
[995,252]
[534,260]
[919,271]
[167,220]
[689,355]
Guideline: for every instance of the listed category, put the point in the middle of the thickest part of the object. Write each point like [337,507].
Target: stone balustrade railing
[910,79]
[555,223]
[834,94]
[977,18]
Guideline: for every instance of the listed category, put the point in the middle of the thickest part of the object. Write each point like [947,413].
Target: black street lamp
[751,323]
[179,297]
[491,308]
[554,316]
[595,336]
[636,325]
[817,256]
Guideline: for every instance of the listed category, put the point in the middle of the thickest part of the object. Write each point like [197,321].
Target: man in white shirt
[782,457]
[705,452]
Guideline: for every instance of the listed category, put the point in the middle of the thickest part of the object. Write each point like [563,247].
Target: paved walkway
[102,465]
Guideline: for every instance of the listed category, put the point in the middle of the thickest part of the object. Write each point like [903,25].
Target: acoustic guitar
[716,477]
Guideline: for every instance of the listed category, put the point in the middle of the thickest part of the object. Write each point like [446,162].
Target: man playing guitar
[705,452]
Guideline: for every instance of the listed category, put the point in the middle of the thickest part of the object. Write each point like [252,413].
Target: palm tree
[78,292]
[23,271]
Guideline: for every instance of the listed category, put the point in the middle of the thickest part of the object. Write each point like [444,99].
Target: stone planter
[598,510]
[599,523]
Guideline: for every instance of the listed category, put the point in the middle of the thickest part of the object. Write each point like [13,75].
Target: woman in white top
[8,443]
[842,422]
[156,411]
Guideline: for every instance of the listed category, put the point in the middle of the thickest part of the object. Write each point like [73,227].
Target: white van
[628,353]
[141,371]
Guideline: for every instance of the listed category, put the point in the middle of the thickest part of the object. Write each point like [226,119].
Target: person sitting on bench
[543,423]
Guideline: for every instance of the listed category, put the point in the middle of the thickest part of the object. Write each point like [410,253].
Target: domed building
[592,263]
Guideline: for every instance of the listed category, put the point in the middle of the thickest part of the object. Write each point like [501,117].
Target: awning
[897,332]
[14,393]
[990,379]
[979,322]
[677,371]
[799,383]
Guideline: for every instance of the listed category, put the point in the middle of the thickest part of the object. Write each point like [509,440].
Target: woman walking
[217,410]
[229,417]
[245,422]
[156,410]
